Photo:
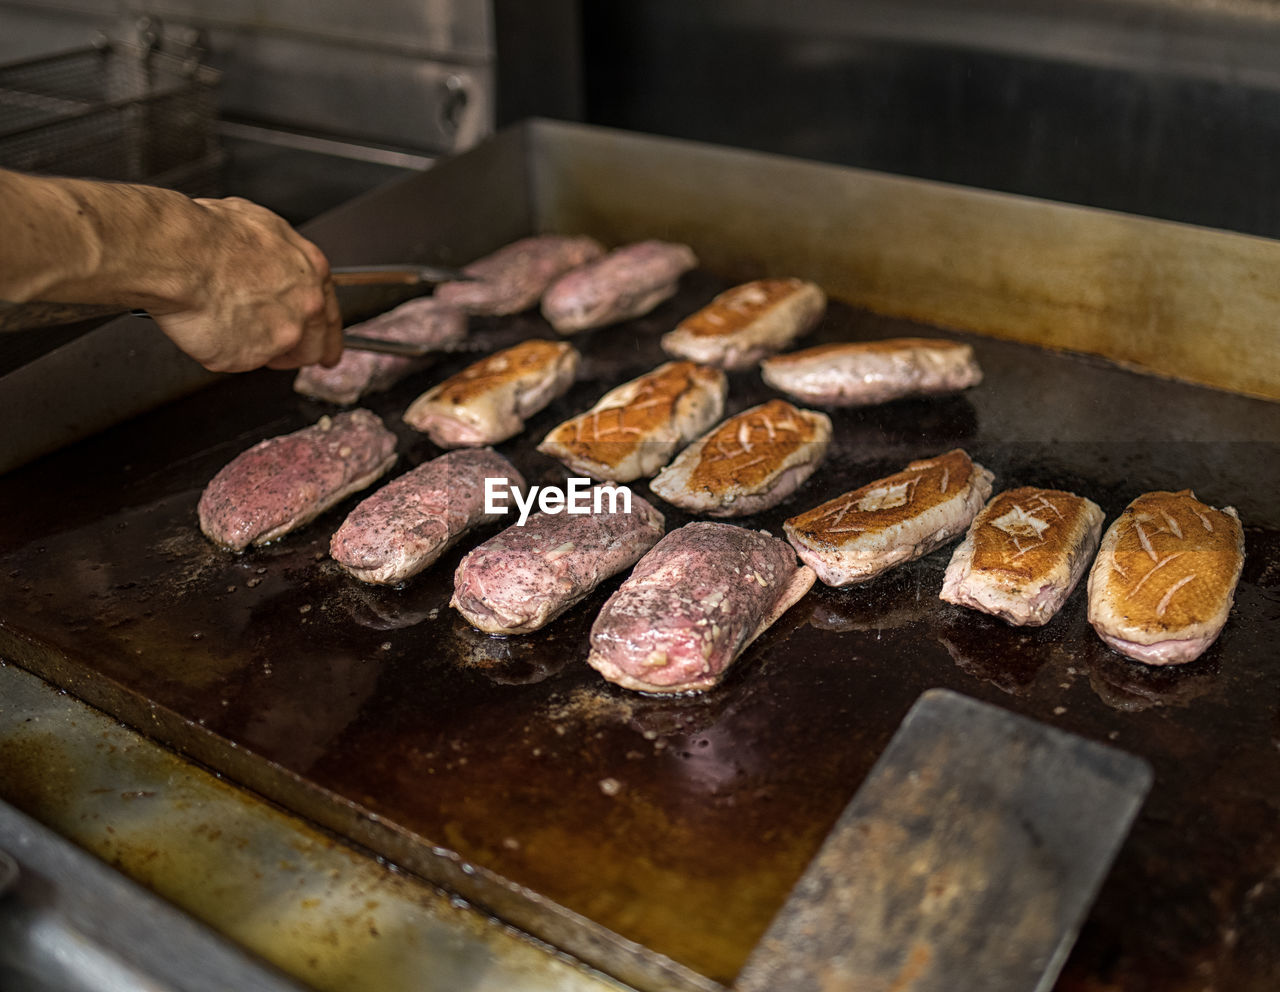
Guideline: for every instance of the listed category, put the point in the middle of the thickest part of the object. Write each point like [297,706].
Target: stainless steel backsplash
[414,74]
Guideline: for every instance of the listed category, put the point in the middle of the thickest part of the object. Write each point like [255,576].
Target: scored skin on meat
[628,282]
[410,522]
[1024,554]
[526,576]
[904,516]
[1164,580]
[868,372]
[635,428]
[751,462]
[692,605]
[513,278]
[423,321]
[488,401]
[744,324]
[284,482]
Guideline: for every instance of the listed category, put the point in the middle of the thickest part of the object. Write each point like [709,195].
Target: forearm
[73,241]
[229,281]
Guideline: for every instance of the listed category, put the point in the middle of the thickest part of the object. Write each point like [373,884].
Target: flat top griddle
[678,823]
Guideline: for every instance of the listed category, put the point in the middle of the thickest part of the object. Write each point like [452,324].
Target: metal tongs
[39,313]
[389,275]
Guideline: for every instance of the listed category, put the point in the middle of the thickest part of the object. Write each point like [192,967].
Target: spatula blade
[966,862]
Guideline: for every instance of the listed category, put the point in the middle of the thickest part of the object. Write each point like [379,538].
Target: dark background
[1164,109]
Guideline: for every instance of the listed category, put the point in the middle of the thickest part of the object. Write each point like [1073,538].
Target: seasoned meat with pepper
[525,577]
[1165,577]
[744,324]
[284,482]
[904,516]
[514,277]
[424,321]
[747,464]
[868,372]
[487,402]
[628,282]
[692,605]
[1024,553]
[634,429]
[410,522]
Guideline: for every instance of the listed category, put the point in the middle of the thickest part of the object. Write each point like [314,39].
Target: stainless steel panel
[26,32]
[108,375]
[70,924]
[440,28]
[1173,299]
[459,27]
[389,97]
[321,912]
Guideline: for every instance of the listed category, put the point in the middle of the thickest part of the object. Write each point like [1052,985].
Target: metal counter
[329,915]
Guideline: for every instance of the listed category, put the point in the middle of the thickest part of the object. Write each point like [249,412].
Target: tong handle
[390,275]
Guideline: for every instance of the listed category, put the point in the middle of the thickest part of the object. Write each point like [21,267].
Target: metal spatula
[966,862]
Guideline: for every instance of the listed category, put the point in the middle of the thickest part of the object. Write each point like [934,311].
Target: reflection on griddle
[678,715]
[879,431]
[299,725]
[903,596]
[862,614]
[1131,686]
[294,695]
[507,660]
[989,649]
[486,335]
[380,608]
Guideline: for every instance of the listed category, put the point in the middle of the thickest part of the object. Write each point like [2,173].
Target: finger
[318,259]
[309,351]
[305,352]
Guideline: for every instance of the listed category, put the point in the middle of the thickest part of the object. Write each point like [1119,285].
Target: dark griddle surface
[497,748]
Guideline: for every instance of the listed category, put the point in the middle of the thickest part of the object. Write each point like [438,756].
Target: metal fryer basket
[113,111]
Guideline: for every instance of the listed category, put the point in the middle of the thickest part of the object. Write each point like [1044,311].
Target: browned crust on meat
[609,435]
[740,306]
[744,451]
[498,369]
[1174,561]
[864,347]
[885,503]
[1025,532]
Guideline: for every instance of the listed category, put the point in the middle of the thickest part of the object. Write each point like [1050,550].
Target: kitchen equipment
[965,862]
[656,839]
[126,112]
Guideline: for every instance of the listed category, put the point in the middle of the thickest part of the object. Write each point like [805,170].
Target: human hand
[257,293]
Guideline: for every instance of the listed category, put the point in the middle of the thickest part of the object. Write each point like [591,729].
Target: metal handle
[388,275]
[455,95]
[405,349]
